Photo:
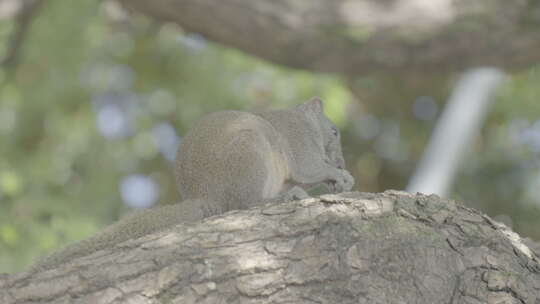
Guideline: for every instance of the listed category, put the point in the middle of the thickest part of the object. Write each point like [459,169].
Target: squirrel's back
[214,157]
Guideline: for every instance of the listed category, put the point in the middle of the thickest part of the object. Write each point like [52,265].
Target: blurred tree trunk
[358,37]
[350,248]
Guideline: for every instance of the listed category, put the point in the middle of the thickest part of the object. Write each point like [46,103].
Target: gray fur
[234,160]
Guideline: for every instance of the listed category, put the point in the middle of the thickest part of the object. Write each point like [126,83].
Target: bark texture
[362,36]
[350,248]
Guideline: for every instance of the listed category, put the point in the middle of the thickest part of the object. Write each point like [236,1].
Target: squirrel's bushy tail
[134,225]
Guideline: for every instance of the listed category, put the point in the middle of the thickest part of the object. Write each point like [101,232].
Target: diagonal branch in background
[458,125]
[23,21]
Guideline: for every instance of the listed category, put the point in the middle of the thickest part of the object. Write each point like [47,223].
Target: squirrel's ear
[315,104]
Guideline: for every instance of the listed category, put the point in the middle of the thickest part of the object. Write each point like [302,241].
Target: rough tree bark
[357,37]
[350,248]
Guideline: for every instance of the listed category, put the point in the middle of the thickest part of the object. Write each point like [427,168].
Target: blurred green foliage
[60,177]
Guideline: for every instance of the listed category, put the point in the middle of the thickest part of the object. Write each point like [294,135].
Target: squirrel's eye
[335,131]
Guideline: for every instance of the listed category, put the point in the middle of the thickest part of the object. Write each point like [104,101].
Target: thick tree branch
[362,36]
[350,248]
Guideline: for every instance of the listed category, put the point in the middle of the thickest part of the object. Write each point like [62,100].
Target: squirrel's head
[328,132]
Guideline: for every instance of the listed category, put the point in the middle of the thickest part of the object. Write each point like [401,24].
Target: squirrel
[235,160]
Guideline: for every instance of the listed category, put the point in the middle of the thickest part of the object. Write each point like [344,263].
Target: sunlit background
[92,114]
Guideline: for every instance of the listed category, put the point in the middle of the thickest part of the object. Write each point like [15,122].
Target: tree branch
[23,20]
[362,36]
[350,248]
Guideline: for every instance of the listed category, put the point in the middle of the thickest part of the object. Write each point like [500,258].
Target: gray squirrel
[234,160]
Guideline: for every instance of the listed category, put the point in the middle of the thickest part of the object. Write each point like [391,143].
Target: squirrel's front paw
[342,182]
[295,193]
